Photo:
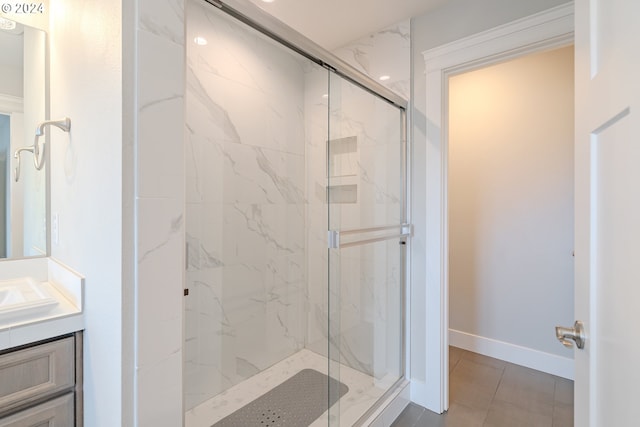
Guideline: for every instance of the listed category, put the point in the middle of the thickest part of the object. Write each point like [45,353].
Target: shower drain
[297,402]
[273,418]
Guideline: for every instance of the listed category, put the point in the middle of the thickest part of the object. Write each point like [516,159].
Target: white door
[607,42]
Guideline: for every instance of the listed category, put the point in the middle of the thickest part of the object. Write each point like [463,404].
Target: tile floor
[486,392]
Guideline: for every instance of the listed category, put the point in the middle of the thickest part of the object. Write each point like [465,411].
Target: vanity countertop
[60,283]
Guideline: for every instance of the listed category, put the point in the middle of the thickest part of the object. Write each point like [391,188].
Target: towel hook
[39,153]
[16,155]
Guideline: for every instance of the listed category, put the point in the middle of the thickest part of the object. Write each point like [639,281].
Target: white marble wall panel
[245,190]
[257,215]
[376,126]
[363,326]
[317,131]
[160,95]
[384,53]
[160,211]
[163,18]
[159,319]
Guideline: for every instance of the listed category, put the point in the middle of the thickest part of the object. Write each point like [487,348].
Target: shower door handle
[576,334]
[367,235]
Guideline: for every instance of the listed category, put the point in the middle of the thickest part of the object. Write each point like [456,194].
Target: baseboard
[523,356]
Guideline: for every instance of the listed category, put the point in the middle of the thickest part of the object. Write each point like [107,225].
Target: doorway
[510,208]
[540,32]
[510,221]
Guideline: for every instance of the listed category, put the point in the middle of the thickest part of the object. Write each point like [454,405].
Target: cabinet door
[57,412]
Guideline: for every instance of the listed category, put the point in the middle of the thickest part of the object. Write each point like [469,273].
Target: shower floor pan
[297,402]
[363,392]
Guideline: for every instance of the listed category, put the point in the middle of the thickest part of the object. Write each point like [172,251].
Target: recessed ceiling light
[326,95]
[7,24]
[383,78]
[268,1]
[200,41]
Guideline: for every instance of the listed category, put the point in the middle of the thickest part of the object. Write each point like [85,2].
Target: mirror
[23,96]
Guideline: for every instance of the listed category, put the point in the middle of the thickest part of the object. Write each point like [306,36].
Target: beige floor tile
[454,357]
[457,416]
[527,389]
[409,416]
[483,360]
[473,385]
[492,393]
[504,414]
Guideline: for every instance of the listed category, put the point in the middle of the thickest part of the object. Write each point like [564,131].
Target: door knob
[576,334]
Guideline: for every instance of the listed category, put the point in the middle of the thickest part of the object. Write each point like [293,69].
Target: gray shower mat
[297,402]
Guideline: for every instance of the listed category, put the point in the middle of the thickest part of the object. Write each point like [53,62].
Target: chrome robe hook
[16,155]
[39,153]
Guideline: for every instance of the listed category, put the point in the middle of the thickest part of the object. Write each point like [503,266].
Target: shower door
[366,188]
[279,150]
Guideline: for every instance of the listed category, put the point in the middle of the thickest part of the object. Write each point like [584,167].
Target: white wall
[86,184]
[454,20]
[511,201]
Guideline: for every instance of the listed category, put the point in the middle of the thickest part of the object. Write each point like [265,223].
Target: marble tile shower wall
[365,280]
[160,207]
[385,52]
[365,328]
[256,218]
[245,168]
[317,127]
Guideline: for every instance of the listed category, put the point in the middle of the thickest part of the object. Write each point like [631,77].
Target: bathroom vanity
[41,323]
[41,383]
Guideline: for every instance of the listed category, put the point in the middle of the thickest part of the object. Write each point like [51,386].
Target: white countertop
[62,283]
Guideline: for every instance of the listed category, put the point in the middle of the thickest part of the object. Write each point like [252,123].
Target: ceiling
[334,23]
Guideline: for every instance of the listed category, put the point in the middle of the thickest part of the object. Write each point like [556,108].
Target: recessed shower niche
[271,292]
[343,169]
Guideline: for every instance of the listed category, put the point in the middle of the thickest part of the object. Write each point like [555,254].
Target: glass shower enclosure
[296,232]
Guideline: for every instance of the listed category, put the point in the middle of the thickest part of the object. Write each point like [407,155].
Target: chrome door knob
[575,334]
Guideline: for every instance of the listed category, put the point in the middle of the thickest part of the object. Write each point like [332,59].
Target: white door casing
[543,31]
[607,165]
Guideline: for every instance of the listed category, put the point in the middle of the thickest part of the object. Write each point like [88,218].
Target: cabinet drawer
[34,373]
[57,412]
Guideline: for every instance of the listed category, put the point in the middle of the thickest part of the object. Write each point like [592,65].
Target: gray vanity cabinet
[40,384]
[57,412]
